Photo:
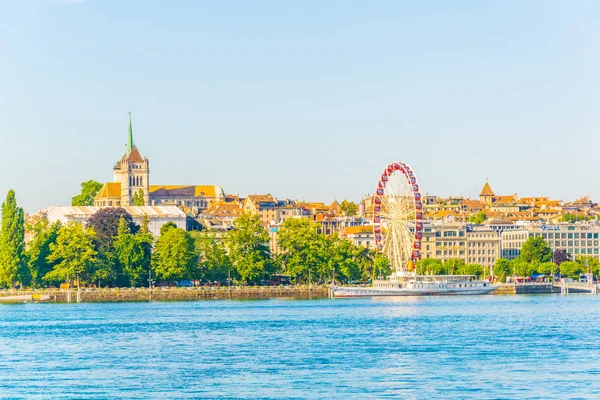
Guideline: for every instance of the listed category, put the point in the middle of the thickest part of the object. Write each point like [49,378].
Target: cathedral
[131,186]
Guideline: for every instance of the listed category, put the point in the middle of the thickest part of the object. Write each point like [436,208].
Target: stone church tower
[132,172]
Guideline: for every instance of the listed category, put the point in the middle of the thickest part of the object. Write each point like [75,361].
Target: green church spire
[130,143]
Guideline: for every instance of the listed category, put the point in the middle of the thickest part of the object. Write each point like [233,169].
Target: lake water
[444,347]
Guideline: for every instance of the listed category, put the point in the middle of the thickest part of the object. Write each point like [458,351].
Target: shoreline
[109,295]
[113,295]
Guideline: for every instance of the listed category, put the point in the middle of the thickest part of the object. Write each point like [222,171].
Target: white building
[157,215]
[576,239]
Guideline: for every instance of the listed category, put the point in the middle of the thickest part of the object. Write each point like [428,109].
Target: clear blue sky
[305,99]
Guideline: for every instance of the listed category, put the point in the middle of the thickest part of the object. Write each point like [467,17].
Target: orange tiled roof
[110,189]
[505,199]
[134,155]
[260,198]
[487,190]
[223,209]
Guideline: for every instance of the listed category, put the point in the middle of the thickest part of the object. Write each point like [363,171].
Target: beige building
[263,205]
[470,243]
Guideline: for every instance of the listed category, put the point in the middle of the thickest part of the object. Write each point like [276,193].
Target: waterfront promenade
[164,294]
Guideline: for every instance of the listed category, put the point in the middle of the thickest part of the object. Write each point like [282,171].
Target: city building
[131,178]
[157,216]
[578,239]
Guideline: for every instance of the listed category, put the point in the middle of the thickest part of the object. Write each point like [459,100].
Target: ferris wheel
[398,216]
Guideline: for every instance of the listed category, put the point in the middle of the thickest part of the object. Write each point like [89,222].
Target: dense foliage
[138,198]
[450,267]
[13,264]
[89,190]
[478,217]
[248,246]
[348,208]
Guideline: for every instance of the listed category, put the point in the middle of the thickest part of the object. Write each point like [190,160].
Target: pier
[562,287]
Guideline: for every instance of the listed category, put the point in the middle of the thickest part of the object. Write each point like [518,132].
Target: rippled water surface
[443,347]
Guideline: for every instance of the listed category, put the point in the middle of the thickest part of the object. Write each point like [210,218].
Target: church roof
[188,190]
[134,155]
[487,190]
[110,189]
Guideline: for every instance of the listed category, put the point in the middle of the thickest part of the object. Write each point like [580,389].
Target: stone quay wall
[170,294]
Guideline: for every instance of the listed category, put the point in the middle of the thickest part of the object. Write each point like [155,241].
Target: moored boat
[418,285]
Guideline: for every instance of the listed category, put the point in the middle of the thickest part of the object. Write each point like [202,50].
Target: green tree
[535,249]
[571,269]
[478,217]
[248,246]
[453,266]
[213,260]
[548,268]
[13,265]
[523,268]
[89,190]
[174,257]
[138,198]
[502,269]
[593,265]
[365,258]
[105,269]
[167,226]
[73,254]
[133,253]
[430,266]
[344,257]
[381,266]
[305,252]
[38,249]
[348,208]
[470,269]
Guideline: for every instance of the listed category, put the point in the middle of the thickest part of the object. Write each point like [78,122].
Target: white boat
[418,285]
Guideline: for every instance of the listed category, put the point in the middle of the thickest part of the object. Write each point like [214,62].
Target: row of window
[480,252]
[558,244]
[570,235]
[136,180]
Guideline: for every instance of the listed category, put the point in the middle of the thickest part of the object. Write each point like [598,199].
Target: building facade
[157,216]
[579,239]
[131,179]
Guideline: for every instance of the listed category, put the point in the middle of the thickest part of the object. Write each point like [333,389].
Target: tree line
[112,250]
